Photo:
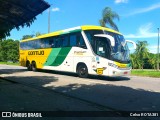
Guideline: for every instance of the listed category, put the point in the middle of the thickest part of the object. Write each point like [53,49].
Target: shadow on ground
[116,97]
[105,78]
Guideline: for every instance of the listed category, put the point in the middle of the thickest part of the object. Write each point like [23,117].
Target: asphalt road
[130,93]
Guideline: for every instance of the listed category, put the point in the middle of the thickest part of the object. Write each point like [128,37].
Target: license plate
[125,72]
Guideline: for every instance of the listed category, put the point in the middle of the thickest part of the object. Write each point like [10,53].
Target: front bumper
[119,72]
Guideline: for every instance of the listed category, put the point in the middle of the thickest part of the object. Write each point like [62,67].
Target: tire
[29,66]
[34,68]
[82,71]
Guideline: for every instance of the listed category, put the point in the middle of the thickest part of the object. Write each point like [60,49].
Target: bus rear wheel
[34,68]
[82,71]
[29,66]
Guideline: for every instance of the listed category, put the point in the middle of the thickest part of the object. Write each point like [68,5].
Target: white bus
[83,50]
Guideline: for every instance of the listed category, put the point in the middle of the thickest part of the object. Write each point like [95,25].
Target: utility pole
[158,52]
[49,19]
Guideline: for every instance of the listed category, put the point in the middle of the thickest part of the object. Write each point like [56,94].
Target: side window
[34,44]
[25,45]
[90,38]
[47,42]
[76,39]
[73,40]
[22,45]
[42,43]
[51,42]
[80,41]
[29,45]
[64,41]
[37,44]
[57,42]
[102,47]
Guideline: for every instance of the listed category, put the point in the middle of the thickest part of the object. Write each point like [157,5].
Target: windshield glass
[102,46]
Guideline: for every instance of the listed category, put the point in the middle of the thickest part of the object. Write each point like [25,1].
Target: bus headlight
[112,65]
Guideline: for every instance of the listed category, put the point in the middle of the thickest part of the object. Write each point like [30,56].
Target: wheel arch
[80,63]
[27,63]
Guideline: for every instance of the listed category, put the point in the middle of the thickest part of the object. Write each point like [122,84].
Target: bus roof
[70,30]
[89,27]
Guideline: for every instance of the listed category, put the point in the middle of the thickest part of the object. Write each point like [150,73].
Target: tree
[152,60]
[9,50]
[107,18]
[27,36]
[38,34]
[6,31]
[141,53]
[133,58]
[31,36]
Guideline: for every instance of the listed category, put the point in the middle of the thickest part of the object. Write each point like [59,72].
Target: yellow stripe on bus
[98,28]
[121,65]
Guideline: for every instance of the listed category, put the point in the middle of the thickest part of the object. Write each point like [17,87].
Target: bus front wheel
[82,71]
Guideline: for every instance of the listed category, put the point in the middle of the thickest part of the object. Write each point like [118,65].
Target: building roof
[15,13]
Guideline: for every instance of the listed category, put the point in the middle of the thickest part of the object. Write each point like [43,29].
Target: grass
[9,63]
[148,73]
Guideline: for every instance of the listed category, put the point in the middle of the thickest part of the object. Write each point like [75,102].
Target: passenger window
[80,41]
[47,42]
[25,45]
[58,42]
[64,41]
[31,45]
[76,39]
[51,42]
[22,47]
[73,40]
[42,43]
[36,44]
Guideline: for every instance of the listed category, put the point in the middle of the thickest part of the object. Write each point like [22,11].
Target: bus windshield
[102,46]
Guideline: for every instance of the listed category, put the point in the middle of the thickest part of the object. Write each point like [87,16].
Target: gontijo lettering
[36,52]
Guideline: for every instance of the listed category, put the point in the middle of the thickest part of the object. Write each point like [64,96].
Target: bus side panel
[60,59]
[39,56]
[22,58]
[68,63]
[82,56]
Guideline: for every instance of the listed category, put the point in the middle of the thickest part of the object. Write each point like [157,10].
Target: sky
[139,19]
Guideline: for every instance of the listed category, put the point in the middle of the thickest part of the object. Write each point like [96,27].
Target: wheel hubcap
[83,71]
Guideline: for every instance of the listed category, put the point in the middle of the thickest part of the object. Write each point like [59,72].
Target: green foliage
[9,50]
[149,73]
[9,63]
[141,53]
[27,37]
[6,32]
[38,34]
[141,58]
[152,60]
[31,36]
[107,18]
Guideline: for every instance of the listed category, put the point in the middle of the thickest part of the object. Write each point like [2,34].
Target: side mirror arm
[134,44]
